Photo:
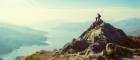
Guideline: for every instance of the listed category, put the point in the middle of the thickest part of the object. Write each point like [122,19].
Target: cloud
[13,37]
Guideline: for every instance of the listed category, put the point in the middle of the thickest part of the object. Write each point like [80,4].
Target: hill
[101,41]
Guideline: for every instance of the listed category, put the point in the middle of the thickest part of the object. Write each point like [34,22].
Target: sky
[35,13]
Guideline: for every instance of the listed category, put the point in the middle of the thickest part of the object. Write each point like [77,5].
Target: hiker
[94,24]
[98,18]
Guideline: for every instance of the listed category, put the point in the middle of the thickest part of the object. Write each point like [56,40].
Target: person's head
[98,14]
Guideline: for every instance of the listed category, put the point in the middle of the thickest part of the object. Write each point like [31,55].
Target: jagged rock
[75,46]
[99,42]
[105,32]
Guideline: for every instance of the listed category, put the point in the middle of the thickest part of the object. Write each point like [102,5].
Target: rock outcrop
[98,42]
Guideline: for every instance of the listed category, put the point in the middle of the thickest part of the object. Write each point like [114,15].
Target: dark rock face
[100,41]
[75,46]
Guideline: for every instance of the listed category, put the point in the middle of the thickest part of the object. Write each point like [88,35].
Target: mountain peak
[101,41]
[99,38]
[104,31]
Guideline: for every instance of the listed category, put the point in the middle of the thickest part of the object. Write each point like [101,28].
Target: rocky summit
[101,41]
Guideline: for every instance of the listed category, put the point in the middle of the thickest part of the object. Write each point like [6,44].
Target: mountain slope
[101,41]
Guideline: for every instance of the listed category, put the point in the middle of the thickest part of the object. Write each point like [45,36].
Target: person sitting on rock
[98,20]
[94,24]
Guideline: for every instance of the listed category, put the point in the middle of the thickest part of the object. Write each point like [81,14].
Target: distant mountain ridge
[131,26]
